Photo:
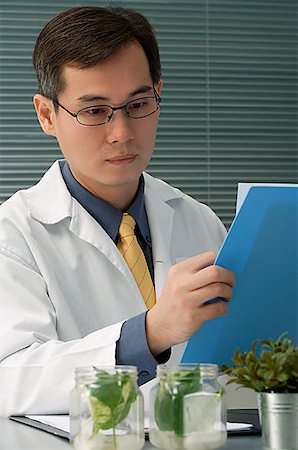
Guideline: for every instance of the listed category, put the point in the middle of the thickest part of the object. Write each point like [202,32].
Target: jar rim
[205,369]
[91,372]
[107,368]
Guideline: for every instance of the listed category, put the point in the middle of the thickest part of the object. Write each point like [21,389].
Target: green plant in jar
[110,400]
[168,406]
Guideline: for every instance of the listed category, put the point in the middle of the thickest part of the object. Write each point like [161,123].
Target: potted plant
[272,372]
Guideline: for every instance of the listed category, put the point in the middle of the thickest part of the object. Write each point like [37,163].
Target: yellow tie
[132,253]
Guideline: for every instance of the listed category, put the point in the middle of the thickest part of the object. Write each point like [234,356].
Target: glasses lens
[95,115]
[141,107]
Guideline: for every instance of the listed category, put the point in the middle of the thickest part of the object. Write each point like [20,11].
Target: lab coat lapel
[86,228]
[160,218]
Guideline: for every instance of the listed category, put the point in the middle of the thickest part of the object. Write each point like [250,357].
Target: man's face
[107,158]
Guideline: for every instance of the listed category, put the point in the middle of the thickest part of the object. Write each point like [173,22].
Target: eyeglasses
[101,114]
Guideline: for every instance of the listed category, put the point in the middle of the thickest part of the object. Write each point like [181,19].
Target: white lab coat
[65,289]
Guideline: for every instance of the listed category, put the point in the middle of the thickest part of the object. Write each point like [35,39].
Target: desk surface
[16,436]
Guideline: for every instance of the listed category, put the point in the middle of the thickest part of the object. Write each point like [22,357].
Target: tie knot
[127,226]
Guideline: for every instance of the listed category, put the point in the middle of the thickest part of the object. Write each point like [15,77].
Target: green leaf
[129,395]
[282,377]
[268,375]
[237,357]
[101,415]
[163,408]
[168,407]
[111,397]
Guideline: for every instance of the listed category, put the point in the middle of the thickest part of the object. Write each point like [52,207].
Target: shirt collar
[105,214]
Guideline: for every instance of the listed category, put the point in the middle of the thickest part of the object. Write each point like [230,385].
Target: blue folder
[261,248]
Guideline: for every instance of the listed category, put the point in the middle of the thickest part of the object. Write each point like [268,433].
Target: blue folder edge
[261,248]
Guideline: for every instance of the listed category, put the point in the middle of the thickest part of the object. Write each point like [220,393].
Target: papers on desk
[54,424]
[61,422]
[237,426]
[262,250]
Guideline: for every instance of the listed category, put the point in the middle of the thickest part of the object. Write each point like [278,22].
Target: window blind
[229,103]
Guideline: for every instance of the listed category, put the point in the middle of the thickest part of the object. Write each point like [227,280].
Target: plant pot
[279,420]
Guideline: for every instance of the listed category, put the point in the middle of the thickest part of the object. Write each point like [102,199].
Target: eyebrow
[91,98]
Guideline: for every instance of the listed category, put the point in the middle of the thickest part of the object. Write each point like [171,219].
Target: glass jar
[106,409]
[187,408]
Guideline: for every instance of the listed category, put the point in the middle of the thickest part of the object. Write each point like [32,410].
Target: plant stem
[114,438]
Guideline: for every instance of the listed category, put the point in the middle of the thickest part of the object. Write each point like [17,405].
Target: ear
[158,87]
[46,113]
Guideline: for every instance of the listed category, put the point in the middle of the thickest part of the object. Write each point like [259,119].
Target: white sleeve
[36,368]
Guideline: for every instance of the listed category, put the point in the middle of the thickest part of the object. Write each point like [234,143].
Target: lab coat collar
[49,201]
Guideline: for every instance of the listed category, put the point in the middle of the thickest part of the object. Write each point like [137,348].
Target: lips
[122,159]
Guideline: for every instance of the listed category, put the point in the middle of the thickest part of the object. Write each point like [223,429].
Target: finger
[209,312]
[209,275]
[215,290]
[217,274]
[197,262]
[217,309]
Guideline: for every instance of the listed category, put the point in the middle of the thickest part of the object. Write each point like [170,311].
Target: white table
[16,436]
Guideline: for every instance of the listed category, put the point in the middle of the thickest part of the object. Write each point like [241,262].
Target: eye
[96,111]
[139,104]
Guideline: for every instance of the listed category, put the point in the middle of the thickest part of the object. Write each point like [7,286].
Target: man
[69,295]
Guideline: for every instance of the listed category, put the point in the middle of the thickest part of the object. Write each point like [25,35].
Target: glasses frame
[116,108]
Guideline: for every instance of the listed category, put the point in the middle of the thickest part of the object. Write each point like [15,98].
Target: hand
[181,310]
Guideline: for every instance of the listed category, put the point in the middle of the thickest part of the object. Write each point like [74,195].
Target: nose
[119,128]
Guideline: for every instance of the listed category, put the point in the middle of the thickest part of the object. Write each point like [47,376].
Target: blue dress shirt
[129,350]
